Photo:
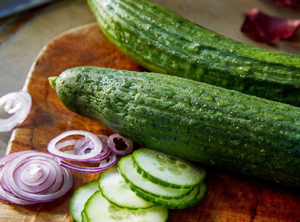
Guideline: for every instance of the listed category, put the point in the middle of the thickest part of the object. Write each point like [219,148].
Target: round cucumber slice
[167,170]
[114,188]
[80,196]
[98,209]
[83,216]
[136,180]
[196,196]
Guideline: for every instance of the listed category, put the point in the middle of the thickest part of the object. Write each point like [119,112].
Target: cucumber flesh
[98,209]
[114,188]
[167,170]
[197,195]
[136,180]
[80,196]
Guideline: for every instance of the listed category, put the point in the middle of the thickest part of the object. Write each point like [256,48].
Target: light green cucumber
[136,180]
[83,216]
[114,188]
[80,196]
[197,195]
[167,170]
[98,209]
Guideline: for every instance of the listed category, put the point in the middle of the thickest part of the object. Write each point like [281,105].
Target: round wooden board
[230,197]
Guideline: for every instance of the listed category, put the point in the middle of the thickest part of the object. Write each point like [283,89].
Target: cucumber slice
[137,181]
[98,209]
[114,188]
[167,170]
[83,216]
[80,196]
[197,195]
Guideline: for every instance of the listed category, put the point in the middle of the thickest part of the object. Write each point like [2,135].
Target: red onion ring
[84,145]
[31,177]
[86,149]
[108,162]
[102,156]
[54,146]
[113,146]
[18,104]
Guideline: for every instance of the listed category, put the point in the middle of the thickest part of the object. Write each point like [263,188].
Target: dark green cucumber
[188,119]
[164,42]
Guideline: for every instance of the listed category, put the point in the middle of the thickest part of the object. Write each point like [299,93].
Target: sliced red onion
[10,198]
[18,104]
[66,143]
[108,162]
[55,146]
[114,141]
[83,147]
[7,158]
[102,156]
[267,29]
[30,177]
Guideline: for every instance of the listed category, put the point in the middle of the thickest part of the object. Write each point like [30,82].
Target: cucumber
[167,170]
[197,195]
[203,123]
[80,196]
[165,42]
[117,192]
[98,209]
[83,216]
[137,181]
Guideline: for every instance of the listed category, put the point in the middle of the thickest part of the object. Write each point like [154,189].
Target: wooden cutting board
[230,197]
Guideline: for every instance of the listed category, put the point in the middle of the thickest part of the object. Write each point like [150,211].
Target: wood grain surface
[230,197]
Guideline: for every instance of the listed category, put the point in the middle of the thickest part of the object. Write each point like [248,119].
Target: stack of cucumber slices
[142,187]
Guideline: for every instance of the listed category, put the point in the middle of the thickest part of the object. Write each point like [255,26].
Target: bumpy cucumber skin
[188,119]
[164,42]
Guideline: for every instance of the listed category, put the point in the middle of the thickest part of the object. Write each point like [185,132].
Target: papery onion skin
[18,104]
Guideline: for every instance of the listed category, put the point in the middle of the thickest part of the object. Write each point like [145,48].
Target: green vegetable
[114,188]
[167,170]
[167,186]
[80,196]
[97,209]
[188,119]
[197,195]
[164,42]
[84,218]
[138,182]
